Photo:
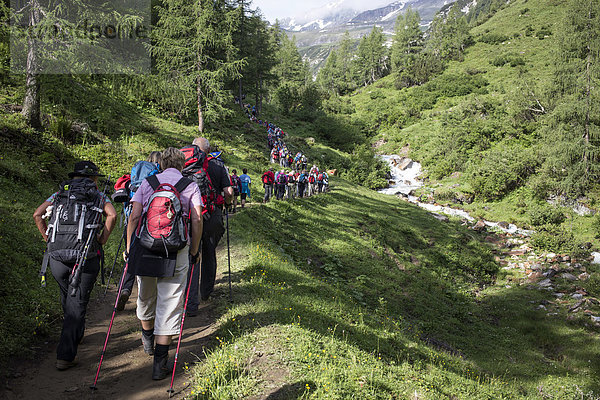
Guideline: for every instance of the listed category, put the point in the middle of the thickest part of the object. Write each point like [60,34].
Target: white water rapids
[405,178]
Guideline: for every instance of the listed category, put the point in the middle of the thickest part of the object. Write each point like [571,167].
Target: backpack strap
[153,181]
[182,184]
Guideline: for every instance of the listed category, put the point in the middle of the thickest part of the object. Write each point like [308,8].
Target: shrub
[501,170]
[545,214]
[554,238]
[493,38]
[365,169]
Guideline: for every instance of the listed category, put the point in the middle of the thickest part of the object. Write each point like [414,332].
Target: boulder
[404,163]
[479,226]
[440,217]
[503,224]
[569,277]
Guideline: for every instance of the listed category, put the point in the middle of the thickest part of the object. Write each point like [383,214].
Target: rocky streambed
[559,275]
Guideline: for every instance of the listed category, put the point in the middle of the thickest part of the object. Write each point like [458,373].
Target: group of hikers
[294,179]
[173,204]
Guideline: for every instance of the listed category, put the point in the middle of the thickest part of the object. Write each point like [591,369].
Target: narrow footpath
[126,369]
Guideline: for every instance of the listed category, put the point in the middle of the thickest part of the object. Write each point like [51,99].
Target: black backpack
[77,209]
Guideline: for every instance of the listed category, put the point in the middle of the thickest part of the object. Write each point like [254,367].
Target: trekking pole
[115,262]
[170,390]
[228,256]
[93,387]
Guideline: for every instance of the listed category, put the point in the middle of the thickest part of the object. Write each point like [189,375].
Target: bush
[501,170]
[554,238]
[545,214]
[365,169]
[493,38]
[504,59]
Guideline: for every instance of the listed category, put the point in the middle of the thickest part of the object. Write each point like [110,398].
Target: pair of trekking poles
[170,390]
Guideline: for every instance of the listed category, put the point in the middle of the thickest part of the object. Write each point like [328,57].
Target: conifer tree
[372,59]
[449,35]
[407,43]
[193,46]
[574,133]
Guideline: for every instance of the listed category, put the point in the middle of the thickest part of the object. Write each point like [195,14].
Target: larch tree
[193,47]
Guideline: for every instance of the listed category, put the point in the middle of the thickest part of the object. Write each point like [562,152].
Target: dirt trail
[126,369]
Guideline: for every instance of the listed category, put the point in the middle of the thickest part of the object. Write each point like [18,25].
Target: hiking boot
[148,343]
[159,368]
[123,299]
[62,365]
[191,313]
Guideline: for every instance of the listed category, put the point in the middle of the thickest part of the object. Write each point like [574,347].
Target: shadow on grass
[379,274]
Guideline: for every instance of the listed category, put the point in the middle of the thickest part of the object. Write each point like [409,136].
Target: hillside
[480,129]
[351,293]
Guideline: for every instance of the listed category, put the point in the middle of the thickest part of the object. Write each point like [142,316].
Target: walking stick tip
[93,387]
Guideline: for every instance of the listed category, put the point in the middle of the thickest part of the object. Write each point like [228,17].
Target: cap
[84,168]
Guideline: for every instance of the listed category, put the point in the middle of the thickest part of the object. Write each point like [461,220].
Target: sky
[273,9]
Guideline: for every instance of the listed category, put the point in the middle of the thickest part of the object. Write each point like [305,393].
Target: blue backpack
[140,171]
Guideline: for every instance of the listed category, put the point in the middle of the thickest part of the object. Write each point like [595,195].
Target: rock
[584,277]
[550,273]
[534,276]
[569,277]
[72,389]
[545,283]
[440,217]
[566,259]
[576,307]
[550,255]
[559,295]
[577,296]
[503,224]
[541,307]
[594,318]
[404,163]
[479,226]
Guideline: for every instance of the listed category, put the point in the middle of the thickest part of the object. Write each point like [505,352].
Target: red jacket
[268,178]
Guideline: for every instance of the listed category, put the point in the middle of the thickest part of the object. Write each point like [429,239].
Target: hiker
[221,195]
[312,183]
[302,183]
[281,183]
[268,179]
[139,172]
[77,200]
[236,184]
[290,192]
[320,182]
[162,278]
[324,182]
[246,182]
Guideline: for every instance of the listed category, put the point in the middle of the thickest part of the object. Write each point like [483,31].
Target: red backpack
[267,178]
[320,177]
[311,178]
[196,169]
[163,227]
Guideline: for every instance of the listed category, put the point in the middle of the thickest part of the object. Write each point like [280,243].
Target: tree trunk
[31,103]
[242,34]
[199,100]
[586,128]
[260,92]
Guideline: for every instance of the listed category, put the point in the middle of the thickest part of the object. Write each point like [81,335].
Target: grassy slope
[350,294]
[381,107]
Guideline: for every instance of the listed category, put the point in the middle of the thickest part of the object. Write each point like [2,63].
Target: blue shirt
[245,179]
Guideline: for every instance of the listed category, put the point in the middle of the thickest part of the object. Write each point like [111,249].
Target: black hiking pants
[74,307]
[211,235]
[301,189]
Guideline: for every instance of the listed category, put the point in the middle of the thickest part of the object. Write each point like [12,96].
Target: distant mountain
[320,30]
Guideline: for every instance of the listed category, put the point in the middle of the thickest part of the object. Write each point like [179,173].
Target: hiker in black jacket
[213,231]
[61,255]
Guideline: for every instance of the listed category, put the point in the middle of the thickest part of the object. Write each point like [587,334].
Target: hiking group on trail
[174,205]
[294,179]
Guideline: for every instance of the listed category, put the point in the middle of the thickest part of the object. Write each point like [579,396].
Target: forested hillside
[352,293]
